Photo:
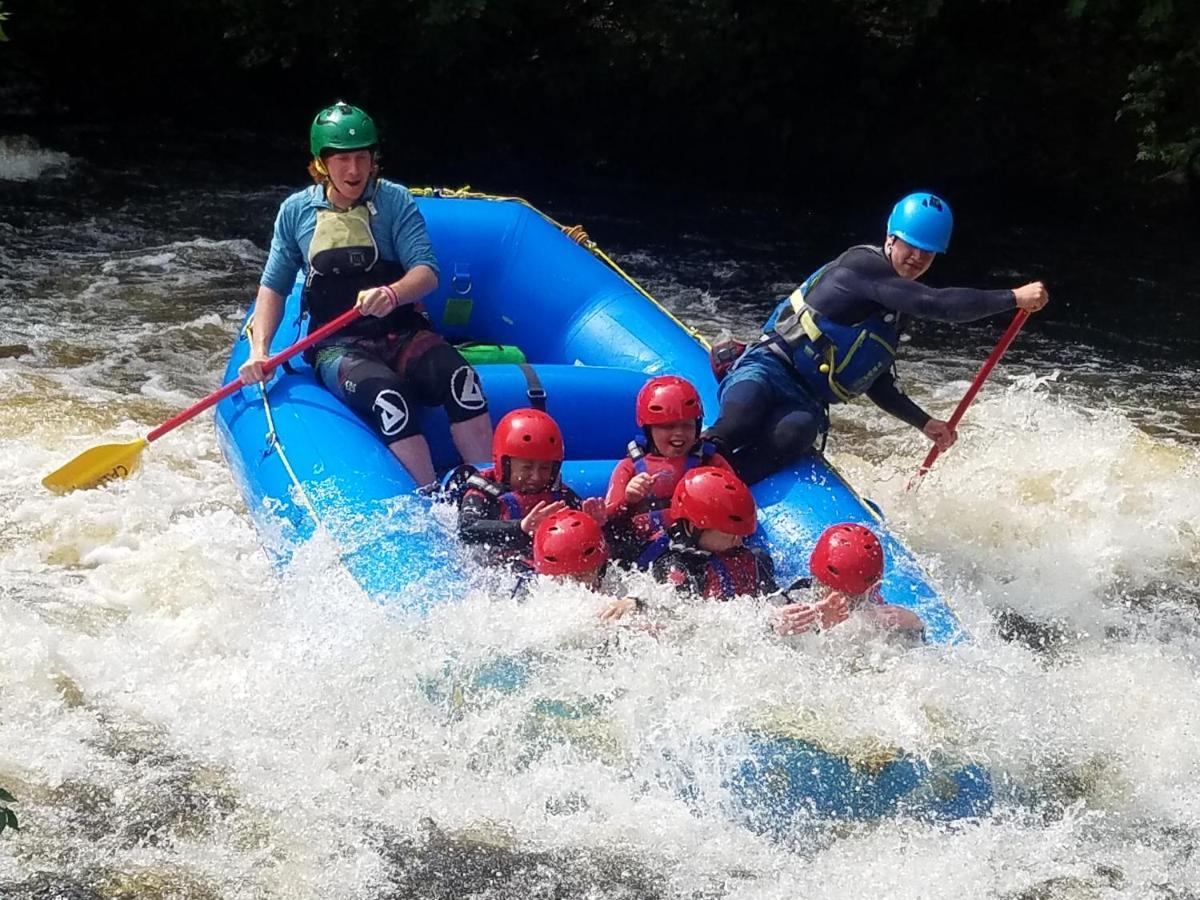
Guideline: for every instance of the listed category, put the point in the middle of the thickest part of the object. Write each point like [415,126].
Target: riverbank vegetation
[1091,97]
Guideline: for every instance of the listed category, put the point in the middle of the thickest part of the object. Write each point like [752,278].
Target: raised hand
[542,510]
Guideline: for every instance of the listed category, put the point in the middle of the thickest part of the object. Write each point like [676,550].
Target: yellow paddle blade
[94,467]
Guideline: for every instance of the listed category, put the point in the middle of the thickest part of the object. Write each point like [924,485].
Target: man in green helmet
[361,241]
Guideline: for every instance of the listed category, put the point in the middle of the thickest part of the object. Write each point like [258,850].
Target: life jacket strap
[700,455]
[511,506]
[486,485]
[806,337]
[533,387]
[653,551]
[724,576]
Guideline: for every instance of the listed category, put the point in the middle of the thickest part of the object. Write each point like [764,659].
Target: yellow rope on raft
[574,232]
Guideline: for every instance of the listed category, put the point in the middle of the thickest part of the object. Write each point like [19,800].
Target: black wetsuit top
[862,281]
[481,519]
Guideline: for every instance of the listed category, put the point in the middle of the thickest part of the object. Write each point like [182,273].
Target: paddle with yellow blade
[100,464]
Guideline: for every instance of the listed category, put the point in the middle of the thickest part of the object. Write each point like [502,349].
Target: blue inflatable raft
[512,276]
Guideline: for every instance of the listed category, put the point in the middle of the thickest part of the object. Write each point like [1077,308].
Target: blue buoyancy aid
[837,362]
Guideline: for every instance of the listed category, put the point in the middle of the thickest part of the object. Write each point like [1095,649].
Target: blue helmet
[923,220]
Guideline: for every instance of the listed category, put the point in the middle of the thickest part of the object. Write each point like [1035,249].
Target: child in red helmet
[669,413]
[712,512]
[502,506]
[847,567]
[570,545]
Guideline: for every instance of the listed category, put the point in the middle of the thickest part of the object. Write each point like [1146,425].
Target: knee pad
[380,398]
[444,378]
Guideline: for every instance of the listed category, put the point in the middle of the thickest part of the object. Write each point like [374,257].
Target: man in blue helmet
[835,338]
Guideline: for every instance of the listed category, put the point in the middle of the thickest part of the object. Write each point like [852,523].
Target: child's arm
[896,618]
[614,498]
[479,522]
[797,618]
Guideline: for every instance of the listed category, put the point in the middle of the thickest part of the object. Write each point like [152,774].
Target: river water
[180,719]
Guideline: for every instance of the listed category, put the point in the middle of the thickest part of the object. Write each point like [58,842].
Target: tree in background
[985,94]
[1162,103]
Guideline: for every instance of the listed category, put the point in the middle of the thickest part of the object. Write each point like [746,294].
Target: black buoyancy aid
[715,576]
[838,362]
[515,506]
[344,259]
[735,573]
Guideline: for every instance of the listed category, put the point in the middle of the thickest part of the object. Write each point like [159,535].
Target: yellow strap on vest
[803,322]
[800,322]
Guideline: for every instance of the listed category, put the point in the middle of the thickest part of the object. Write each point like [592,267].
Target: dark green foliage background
[1096,97]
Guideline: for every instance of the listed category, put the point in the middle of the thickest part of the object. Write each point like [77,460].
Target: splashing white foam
[176,709]
[21,159]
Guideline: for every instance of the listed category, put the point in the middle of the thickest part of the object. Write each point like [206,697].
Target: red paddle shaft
[217,396]
[986,369]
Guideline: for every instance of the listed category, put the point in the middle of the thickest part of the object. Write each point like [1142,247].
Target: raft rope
[274,445]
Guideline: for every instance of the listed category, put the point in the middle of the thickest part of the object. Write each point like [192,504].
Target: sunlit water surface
[180,719]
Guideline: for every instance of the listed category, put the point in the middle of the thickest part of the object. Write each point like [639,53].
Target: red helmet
[848,558]
[667,398]
[527,434]
[709,497]
[568,543]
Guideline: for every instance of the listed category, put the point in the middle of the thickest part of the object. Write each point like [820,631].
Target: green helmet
[342,127]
